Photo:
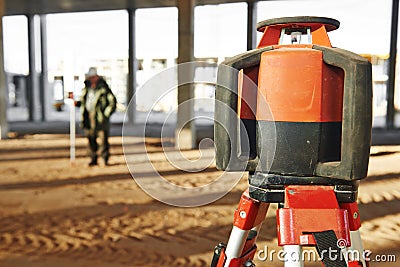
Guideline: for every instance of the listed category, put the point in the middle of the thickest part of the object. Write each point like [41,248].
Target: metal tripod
[324,215]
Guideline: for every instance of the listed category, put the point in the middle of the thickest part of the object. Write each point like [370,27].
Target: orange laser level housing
[305,109]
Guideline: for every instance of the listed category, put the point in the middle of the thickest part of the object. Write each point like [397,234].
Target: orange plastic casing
[299,86]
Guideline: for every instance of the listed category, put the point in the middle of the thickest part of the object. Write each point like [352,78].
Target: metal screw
[242,214]
[249,263]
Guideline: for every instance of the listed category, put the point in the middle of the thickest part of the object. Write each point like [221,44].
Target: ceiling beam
[29,7]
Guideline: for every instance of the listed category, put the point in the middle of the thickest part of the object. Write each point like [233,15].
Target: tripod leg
[247,222]
[356,250]
[236,243]
[355,253]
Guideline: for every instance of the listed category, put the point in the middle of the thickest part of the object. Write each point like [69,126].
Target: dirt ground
[54,213]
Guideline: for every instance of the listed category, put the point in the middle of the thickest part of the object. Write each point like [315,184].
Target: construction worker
[97,104]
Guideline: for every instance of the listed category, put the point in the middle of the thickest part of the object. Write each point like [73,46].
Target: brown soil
[54,213]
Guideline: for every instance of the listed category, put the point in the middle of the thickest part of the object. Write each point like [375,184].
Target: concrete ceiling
[19,7]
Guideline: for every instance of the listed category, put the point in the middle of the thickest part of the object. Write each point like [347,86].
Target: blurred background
[57,211]
[47,55]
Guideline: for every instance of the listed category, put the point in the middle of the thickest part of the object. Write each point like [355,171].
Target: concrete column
[390,112]
[3,88]
[33,83]
[251,24]
[44,66]
[132,67]
[185,133]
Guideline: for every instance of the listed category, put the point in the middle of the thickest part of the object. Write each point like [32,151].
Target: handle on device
[357,115]
[226,119]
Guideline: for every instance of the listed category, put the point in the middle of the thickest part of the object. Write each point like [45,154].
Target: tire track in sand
[125,237]
[380,212]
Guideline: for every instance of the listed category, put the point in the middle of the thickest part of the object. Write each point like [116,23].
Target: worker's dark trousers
[104,146]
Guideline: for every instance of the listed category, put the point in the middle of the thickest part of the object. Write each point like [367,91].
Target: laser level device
[296,114]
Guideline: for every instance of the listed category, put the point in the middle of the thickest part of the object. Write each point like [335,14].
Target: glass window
[15,34]
[156,50]
[157,33]
[77,41]
[220,30]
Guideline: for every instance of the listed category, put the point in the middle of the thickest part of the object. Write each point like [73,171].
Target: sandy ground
[53,213]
